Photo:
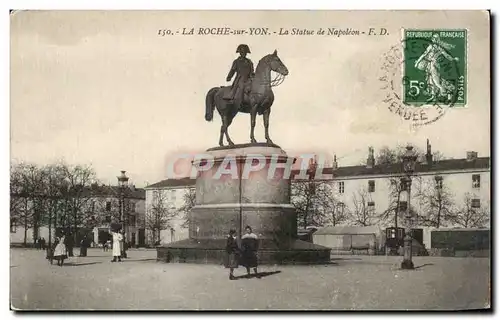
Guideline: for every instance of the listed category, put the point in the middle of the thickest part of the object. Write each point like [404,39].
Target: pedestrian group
[244,255]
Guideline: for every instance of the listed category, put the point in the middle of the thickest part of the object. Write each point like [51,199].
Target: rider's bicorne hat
[243,48]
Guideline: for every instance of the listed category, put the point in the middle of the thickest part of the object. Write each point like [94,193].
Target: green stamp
[435,67]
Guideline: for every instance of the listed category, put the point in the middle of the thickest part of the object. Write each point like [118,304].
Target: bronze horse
[258,98]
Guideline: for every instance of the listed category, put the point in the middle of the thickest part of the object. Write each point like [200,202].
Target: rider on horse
[243,67]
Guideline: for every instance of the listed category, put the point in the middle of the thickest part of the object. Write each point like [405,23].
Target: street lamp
[122,184]
[409,163]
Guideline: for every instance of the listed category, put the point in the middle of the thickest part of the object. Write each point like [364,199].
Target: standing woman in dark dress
[84,244]
[249,247]
[232,251]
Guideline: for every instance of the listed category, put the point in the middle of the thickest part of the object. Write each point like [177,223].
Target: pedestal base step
[214,252]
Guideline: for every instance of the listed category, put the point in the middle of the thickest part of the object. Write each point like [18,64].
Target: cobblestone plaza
[349,282]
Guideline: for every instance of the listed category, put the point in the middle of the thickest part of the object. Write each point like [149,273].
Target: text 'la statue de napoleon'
[251,92]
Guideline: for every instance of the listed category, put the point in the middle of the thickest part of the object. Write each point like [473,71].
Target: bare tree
[469,216]
[26,190]
[189,199]
[438,156]
[386,155]
[54,195]
[158,215]
[312,200]
[331,210]
[54,182]
[393,214]
[436,203]
[16,199]
[362,214]
[78,195]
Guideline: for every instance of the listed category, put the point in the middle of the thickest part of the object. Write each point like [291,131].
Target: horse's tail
[210,103]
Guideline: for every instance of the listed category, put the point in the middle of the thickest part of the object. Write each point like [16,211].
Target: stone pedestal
[245,185]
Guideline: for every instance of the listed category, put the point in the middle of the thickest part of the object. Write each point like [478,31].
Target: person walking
[117,239]
[233,252]
[60,252]
[70,243]
[249,247]
[84,244]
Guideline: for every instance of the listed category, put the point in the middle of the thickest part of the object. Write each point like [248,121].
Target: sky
[103,88]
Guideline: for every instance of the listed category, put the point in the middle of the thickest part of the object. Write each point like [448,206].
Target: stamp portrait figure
[429,63]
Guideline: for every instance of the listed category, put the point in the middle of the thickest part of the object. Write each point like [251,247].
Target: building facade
[164,203]
[459,187]
[459,180]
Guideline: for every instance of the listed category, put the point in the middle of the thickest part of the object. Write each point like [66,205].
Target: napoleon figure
[243,68]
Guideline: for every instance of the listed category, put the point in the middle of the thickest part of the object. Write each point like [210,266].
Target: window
[132,220]
[132,207]
[340,208]
[108,218]
[476,181]
[371,206]
[439,182]
[404,185]
[13,225]
[371,185]
[108,206]
[403,206]
[341,186]
[476,203]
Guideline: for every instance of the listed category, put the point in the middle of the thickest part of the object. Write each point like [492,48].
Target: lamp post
[122,184]
[409,163]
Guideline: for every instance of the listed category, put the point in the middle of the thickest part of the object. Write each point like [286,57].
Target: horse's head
[276,64]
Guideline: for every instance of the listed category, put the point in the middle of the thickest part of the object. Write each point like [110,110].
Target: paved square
[352,282]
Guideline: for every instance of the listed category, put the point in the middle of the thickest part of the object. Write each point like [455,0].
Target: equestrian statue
[251,92]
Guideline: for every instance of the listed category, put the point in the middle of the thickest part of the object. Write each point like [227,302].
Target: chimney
[428,155]
[471,155]
[370,162]
[312,165]
[334,164]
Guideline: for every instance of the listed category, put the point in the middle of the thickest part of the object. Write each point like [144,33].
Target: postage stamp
[435,67]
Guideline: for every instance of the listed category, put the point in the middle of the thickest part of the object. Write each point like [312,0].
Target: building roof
[436,167]
[173,183]
[106,190]
[482,163]
[341,230]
